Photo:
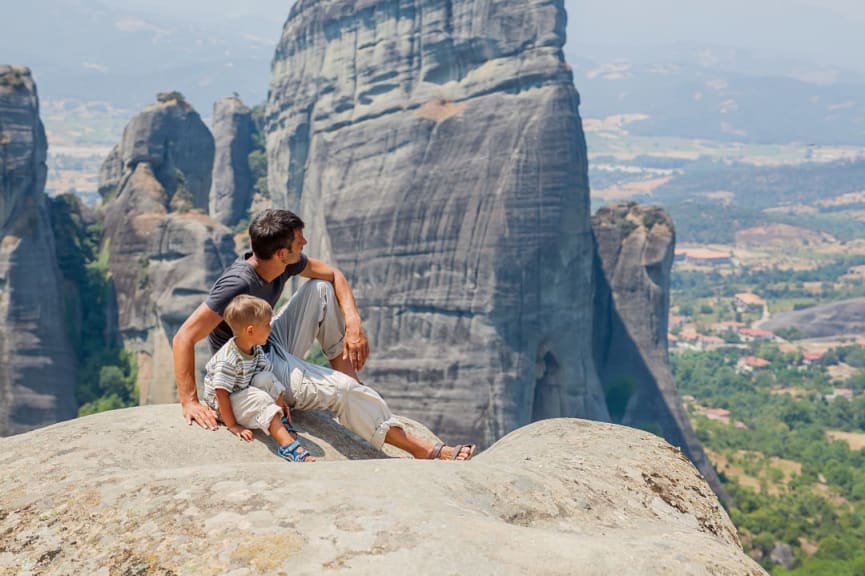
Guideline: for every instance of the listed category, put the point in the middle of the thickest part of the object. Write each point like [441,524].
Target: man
[324,309]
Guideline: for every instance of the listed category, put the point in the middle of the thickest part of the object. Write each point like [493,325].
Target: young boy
[239,383]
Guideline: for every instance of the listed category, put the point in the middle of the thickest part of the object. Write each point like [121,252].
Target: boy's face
[258,333]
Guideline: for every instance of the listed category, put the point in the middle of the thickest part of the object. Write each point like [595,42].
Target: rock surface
[635,246]
[435,150]
[232,186]
[833,320]
[36,356]
[164,251]
[138,491]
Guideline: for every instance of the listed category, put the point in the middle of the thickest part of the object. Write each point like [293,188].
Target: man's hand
[201,414]
[241,432]
[355,347]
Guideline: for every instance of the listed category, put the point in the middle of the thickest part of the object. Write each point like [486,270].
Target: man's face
[291,255]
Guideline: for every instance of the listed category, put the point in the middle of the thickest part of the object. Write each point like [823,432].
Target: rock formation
[37,363]
[436,152]
[635,246]
[832,320]
[164,251]
[232,187]
[138,491]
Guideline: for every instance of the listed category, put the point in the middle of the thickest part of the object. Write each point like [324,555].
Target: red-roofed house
[755,334]
[749,363]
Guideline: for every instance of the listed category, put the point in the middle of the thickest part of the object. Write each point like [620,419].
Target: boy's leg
[268,382]
[286,440]
[254,408]
[312,314]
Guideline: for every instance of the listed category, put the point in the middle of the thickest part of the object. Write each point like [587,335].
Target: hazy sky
[826,32]
[829,32]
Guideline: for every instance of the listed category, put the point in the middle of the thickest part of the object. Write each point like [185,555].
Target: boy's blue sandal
[288,426]
[290,452]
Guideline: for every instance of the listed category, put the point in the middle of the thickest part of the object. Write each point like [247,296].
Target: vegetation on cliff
[785,432]
[107,373]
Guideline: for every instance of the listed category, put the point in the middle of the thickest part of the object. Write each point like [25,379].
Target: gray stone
[436,152]
[832,320]
[36,356]
[782,554]
[635,247]
[232,185]
[172,139]
[164,253]
[139,491]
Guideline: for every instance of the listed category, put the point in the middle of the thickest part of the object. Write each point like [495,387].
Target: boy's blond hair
[245,310]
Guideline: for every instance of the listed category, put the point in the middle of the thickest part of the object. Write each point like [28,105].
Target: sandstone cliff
[232,187]
[37,364]
[138,491]
[635,246]
[436,152]
[164,251]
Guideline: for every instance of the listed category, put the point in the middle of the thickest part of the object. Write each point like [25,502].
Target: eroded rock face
[635,247]
[232,187]
[37,363]
[164,251]
[436,153]
[139,490]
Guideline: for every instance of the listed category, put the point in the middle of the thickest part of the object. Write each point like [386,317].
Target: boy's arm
[201,323]
[224,403]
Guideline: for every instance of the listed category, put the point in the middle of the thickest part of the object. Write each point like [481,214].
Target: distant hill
[718,93]
[824,321]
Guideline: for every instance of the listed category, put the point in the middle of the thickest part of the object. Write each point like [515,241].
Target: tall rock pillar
[37,362]
[436,153]
[635,246]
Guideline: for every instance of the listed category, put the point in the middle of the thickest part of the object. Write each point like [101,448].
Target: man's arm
[356,348]
[201,323]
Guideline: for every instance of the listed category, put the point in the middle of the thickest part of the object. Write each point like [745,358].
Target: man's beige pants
[313,314]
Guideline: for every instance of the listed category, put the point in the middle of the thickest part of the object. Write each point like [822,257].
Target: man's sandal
[437,451]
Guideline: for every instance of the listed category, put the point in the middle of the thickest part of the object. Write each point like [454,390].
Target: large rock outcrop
[37,362]
[232,185]
[164,251]
[436,152]
[635,248]
[138,491]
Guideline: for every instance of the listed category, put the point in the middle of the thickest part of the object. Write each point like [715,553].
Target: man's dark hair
[271,230]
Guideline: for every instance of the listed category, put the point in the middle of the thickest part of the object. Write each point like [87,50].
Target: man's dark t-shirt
[241,278]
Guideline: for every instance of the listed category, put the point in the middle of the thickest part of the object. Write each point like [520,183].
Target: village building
[703,256]
[755,335]
[809,358]
[750,363]
[845,393]
[744,300]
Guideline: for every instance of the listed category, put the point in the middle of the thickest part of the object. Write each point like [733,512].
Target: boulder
[232,186]
[164,251]
[138,491]
[635,247]
[435,150]
[37,361]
